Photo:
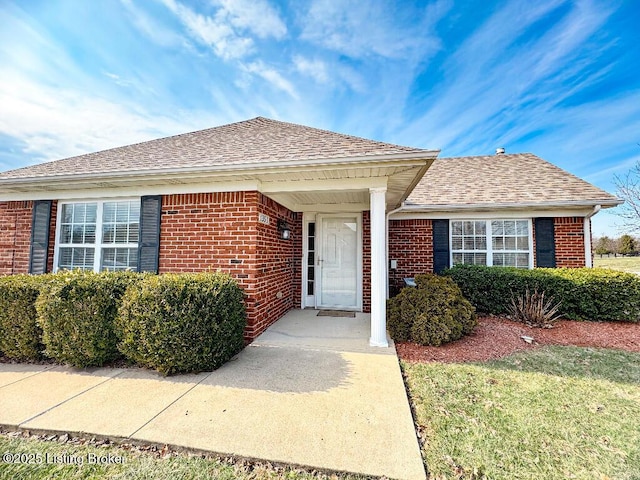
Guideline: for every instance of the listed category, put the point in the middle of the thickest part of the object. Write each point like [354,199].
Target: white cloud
[359,29]
[316,69]
[213,32]
[256,16]
[273,77]
[227,31]
[330,73]
[151,28]
[55,122]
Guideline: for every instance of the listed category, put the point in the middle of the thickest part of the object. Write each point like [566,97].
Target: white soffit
[397,175]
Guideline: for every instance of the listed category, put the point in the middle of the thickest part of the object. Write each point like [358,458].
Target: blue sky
[556,78]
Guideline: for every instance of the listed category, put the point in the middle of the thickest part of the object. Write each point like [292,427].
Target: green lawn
[625,264]
[550,413]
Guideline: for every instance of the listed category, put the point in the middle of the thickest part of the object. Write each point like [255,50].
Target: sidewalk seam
[67,399]
[165,408]
[32,375]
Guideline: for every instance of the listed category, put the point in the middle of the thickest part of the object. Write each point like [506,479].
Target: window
[311,248]
[510,243]
[98,235]
[491,242]
[469,242]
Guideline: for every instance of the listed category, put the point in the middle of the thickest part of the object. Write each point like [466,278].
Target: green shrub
[77,312]
[20,334]
[182,322]
[432,313]
[583,293]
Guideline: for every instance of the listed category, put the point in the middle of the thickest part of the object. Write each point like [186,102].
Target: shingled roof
[503,180]
[256,141]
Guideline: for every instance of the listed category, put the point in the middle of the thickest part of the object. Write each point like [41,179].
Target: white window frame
[489,238]
[98,246]
[308,301]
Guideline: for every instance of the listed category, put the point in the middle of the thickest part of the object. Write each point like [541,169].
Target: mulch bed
[496,337]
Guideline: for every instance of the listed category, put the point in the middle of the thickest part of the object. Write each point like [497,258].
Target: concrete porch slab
[304,328]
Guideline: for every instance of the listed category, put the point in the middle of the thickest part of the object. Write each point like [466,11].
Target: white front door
[339,261]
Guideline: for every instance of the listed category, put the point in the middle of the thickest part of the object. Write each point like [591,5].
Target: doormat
[336,313]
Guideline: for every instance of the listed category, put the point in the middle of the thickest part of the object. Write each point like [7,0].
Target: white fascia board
[327,207]
[569,204]
[327,185]
[492,214]
[396,159]
[128,191]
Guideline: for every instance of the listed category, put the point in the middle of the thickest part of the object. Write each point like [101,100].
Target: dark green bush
[432,313]
[584,293]
[182,323]
[77,312]
[20,334]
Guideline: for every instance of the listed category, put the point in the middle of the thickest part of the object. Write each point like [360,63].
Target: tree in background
[629,190]
[604,246]
[627,245]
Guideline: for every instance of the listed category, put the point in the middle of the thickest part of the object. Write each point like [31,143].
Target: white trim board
[492,214]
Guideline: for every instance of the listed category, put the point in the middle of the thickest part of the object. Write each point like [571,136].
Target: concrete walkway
[309,391]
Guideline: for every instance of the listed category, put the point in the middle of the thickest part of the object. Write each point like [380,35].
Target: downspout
[386,242]
[588,258]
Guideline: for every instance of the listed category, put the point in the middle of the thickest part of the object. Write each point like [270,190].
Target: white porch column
[378,268]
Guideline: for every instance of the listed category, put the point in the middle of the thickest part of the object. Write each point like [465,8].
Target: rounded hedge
[178,323]
[77,312]
[432,313]
[20,333]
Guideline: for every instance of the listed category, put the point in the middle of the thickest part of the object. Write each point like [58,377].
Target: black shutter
[149,239]
[440,245]
[545,243]
[40,220]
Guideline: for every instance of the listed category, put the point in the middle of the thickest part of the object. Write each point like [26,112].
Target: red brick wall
[411,244]
[15,236]
[220,231]
[275,286]
[569,239]
[209,231]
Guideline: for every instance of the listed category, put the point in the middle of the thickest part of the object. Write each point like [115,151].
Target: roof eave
[508,206]
[416,180]
[231,168]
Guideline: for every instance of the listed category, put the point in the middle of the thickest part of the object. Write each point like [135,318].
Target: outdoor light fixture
[284,229]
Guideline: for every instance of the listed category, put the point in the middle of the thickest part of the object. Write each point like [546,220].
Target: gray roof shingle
[259,140]
[520,178]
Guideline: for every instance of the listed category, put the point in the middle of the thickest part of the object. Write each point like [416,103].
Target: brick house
[301,217]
